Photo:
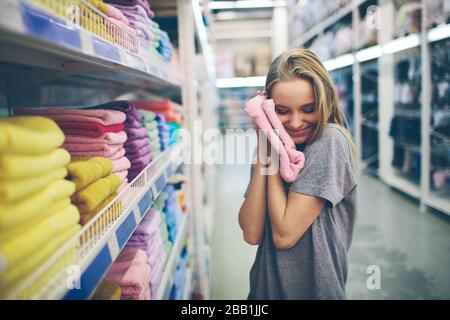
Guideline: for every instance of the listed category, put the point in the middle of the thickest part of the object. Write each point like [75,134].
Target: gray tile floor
[410,249]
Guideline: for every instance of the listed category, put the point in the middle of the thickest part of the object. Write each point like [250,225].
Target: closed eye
[280,111]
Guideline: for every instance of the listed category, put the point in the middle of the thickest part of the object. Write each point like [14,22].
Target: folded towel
[29,135]
[136,133]
[289,168]
[121,105]
[107,138]
[85,172]
[147,115]
[119,154]
[134,3]
[132,145]
[140,161]
[139,152]
[17,189]
[94,194]
[17,212]
[16,249]
[122,175]
[123,185]
[115,13]
[148,226]
[13,277]
[112,154]
[97,147]
[121,164]
[133,123]
[88,129]
[155,253]
[107,290]
[85,217]
[144,295]
[57,206]
[100,116]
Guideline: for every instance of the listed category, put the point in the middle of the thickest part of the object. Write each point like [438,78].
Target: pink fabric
[119,154]
[88,129]
[115,13]
[121,164]
[123,185]
[122,174]
[155,252]
[81,147]
[131,272]
[102,153]
[101,116]
[291,160]
[148,227]
[123,25]
[107,138]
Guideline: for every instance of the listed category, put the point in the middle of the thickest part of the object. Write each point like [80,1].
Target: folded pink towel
[129,295]
[291,160]
[123,185]
[121,164]
[123,25]
[122,174]
[115,13]
[107,138]
[101,116]
[82,147]
[119,154]
[155,252]
[148,227]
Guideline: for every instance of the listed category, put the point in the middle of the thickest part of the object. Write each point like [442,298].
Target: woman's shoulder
[333,136]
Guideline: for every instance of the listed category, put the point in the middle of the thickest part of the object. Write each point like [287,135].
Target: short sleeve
[328,171]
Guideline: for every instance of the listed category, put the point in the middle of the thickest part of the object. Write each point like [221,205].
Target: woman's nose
[296,121]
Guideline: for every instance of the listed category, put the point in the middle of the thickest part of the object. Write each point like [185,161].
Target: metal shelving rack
[39,48]
[384,53]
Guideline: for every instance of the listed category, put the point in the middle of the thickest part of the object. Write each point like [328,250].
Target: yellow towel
[15,276]
[17,189]
[85,217]
[94,194]
[15,213]
[21,166]
[84,172]
[30,135]
[18,248]
[23,227]
[107,290]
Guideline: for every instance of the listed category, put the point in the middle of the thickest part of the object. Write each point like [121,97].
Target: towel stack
[96,186]
[91,133]
[148,238]
[172,212]
[149,122]
[165,48]
[132,273]
[158,204]
[36,216]
[139,15]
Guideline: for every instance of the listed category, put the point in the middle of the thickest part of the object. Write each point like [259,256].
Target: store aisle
[410,248]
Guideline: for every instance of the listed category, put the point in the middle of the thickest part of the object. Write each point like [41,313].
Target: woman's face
[295,106]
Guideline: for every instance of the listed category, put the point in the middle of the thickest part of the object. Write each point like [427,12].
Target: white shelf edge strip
[173,259]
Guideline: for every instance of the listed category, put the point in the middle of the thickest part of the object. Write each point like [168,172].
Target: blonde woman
[303,229]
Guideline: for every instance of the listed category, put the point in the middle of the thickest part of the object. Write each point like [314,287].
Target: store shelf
[394,46]
[188,284]
[404,185]
[98,243]
[325,24]
[438,202]
[171,264]
[31,36]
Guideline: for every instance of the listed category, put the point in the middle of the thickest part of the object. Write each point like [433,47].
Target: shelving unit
[383,56]
[42,54]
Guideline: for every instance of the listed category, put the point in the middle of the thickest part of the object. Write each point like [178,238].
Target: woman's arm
[290,215]
[253,211]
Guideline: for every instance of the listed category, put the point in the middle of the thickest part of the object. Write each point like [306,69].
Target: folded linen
[100,116]
[111,154]
[121,164]
[85,171]
[291,160]
[107,138]
[107,290]
[132,145]
[136,133]
[17,189]
[88,129]
[139,152]
[92,147]
[17,212]
[15,249]
[85,217]
[29,135]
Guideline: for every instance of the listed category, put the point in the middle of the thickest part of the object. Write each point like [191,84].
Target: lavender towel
[139,152]
[136,133]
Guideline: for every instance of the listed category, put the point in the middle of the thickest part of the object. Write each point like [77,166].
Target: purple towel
[132,122]
[136,133]
[121,105]
[132,145]
[142,3]
[141,161]
[139,152]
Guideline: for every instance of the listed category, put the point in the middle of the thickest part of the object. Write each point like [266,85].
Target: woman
[303,229]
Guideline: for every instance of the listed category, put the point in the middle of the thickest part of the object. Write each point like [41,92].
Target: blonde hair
[304,64]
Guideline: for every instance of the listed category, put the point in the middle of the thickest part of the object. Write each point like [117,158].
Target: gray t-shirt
[316,266]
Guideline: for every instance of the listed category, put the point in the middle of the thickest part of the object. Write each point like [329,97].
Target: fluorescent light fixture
[241,82]
[369,53]
[244,4]
[401,44]
[340,62]
[439,33]
[329,65]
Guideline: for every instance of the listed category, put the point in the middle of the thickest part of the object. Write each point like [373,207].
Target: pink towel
[107,138]
[122,174]
[81,147]
[291,160]
[115,13]
[155,252]
[101,116]
[119,154]
[123,185]
[102,153]
[148,227]
[121,164]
